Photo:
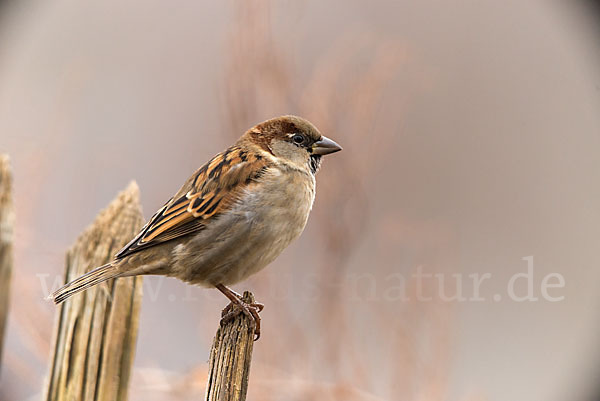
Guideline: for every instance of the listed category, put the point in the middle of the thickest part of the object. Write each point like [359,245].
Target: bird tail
[89,279]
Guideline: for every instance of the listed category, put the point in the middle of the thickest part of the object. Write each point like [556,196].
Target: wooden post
[96,331]
[230,357]
[6,237]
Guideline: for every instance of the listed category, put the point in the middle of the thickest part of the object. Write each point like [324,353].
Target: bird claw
[249,309]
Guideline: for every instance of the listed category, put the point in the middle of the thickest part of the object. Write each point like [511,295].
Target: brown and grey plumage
[232,217]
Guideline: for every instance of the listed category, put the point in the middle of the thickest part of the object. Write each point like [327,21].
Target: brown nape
[262,134]
[261,137]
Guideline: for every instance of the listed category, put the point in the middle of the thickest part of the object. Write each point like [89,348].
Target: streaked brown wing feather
[210,191]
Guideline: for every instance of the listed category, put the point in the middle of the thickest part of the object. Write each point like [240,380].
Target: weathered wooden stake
[230,357]
[95,331]
[6,238]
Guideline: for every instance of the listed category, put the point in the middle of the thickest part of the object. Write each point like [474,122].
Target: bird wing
[210,191]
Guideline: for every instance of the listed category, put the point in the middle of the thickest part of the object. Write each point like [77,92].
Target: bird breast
[268,216]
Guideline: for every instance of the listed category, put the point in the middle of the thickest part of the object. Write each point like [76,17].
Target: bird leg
[237,306]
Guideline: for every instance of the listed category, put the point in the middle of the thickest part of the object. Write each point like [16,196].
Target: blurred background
[471,134]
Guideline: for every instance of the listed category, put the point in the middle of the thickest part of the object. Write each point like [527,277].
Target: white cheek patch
[289,153]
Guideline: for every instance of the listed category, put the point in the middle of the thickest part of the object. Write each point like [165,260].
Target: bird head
[293,140]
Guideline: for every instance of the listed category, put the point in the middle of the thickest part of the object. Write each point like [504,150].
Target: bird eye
[297,138]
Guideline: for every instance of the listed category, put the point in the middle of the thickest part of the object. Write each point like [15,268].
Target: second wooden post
[96,331]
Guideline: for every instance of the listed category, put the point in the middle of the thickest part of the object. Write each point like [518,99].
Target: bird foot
[240,304]
[249,309]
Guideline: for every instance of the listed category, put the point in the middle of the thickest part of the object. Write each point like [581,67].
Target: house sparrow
[231,218]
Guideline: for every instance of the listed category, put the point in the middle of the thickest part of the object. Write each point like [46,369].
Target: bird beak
[325,146]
